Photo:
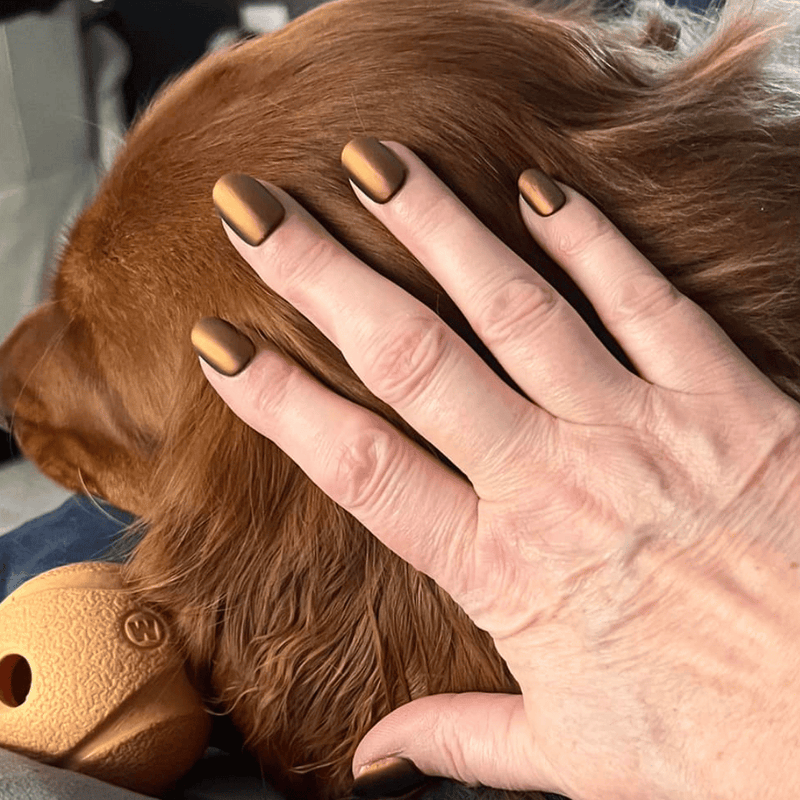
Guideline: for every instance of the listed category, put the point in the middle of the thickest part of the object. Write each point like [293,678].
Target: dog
[296,623]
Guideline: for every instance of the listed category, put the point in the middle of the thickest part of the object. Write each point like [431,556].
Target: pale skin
[630,543]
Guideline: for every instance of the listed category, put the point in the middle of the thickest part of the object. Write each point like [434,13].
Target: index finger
[408,499]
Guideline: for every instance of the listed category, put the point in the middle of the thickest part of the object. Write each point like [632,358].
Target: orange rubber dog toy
[90,681]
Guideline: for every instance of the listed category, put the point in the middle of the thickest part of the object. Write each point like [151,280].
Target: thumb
[472,738]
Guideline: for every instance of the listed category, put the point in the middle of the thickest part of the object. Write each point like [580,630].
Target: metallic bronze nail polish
[248,207]
[389,777]
[540,193]
[375,169]
[221,346]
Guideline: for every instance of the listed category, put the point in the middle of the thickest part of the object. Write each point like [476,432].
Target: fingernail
[389,777]
[540,193]
[248,207]
[375,169]
[221,346]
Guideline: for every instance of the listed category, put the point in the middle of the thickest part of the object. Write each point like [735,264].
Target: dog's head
[286,605]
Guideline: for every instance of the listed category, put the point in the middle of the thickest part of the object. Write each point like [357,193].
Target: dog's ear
[66,417]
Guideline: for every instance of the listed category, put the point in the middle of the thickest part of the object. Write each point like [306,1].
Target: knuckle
[362,468]
[294,270]
[642,296]
[519,307]
[449,744]
[431,221]
[401,364]
[573,242]
[271,385]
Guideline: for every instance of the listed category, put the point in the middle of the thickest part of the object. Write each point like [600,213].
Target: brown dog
[293,617]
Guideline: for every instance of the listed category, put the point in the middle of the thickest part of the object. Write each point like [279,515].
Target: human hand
[630,543]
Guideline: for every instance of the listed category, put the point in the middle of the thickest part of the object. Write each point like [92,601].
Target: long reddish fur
[293,618]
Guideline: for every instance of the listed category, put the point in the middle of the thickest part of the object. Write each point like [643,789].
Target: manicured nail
[248,207]
[389,777]
[540,193]
[375,169]
[221,346]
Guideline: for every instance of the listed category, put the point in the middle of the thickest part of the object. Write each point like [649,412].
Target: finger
[472,738]
[670,340]
[361,462]
[402,350]
[540,340]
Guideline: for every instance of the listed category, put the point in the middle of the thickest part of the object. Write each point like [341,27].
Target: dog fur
[294,620]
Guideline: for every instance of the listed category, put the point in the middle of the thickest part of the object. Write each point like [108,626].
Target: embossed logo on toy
[144,629]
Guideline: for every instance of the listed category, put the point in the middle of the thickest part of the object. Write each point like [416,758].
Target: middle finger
[405,354]
[540,340]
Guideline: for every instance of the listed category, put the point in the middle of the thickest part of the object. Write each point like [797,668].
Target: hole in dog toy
[15,680]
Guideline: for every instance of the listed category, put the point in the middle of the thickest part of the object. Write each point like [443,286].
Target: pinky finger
[671,341]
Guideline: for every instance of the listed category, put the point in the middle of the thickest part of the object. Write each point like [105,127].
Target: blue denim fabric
[81,529]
